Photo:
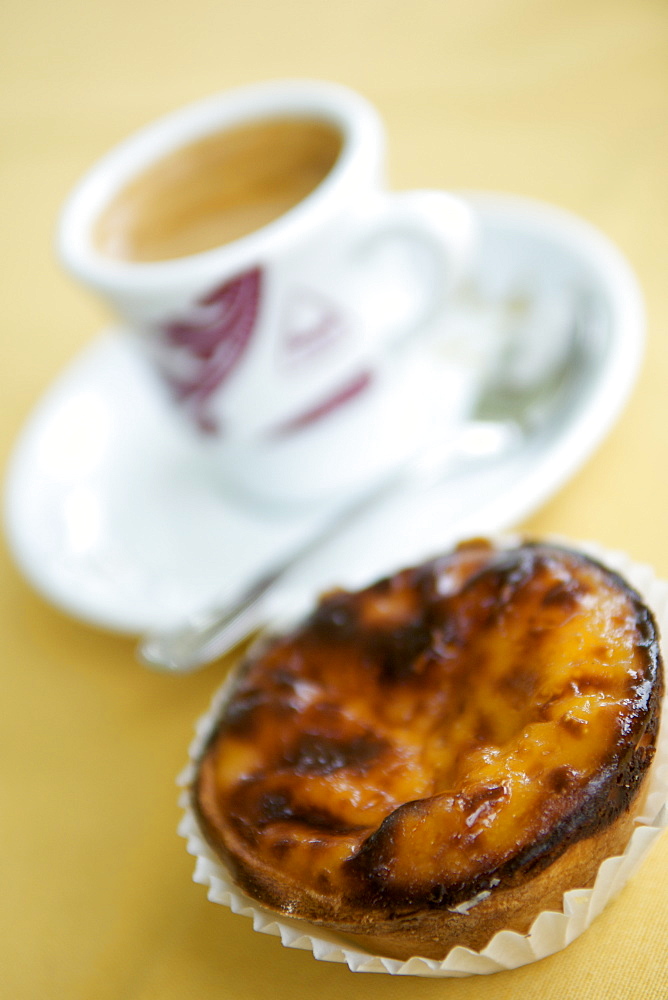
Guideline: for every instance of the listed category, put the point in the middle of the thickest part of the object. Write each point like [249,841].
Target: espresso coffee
[217,189]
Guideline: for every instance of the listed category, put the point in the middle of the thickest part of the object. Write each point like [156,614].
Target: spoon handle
[202,640]
[199,642]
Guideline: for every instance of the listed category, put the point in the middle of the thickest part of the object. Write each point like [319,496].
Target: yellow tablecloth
[565,101]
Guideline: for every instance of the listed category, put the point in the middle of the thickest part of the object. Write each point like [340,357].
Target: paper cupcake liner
[550,932]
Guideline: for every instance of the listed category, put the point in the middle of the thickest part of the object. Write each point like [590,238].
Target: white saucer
[115,521]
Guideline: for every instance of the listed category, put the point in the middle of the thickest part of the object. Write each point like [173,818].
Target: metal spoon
[208,637]
[503,412]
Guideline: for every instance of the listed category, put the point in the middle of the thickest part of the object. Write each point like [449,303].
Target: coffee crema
[217,189]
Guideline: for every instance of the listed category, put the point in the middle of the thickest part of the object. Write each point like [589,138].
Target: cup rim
[363,145]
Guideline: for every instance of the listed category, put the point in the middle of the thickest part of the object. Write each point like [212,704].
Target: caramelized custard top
[420,740]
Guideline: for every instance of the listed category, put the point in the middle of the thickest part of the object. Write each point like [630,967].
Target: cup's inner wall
[217,189]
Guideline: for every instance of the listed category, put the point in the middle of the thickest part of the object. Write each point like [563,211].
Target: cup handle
[440,228]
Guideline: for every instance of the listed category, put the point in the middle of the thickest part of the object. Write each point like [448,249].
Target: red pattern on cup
[331,404]
[205,347]
[312,323]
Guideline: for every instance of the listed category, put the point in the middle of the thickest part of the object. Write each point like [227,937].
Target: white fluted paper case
[550,931]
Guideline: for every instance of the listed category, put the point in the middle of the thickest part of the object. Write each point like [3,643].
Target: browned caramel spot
[281,847]
[519,684]
[411,741]
[562,778]
[323,755]
[275,807]
[564,594]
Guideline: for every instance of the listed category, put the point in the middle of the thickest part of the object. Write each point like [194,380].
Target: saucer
[111,516]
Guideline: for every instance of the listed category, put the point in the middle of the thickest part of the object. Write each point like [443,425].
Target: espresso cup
[273,284]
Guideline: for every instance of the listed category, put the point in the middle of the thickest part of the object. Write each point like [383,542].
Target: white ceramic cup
[290,350]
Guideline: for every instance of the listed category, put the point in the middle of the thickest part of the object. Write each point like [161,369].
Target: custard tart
[441,755]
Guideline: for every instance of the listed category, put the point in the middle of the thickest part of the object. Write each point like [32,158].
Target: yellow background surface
[564,101]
